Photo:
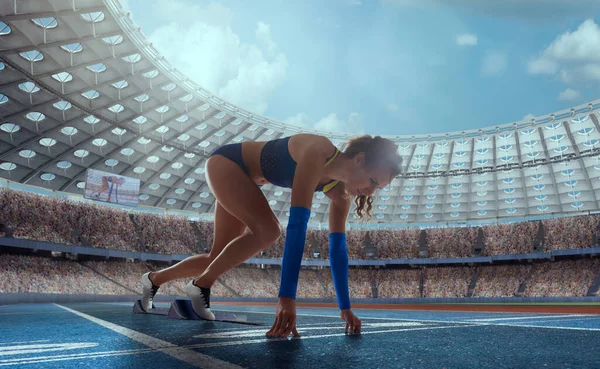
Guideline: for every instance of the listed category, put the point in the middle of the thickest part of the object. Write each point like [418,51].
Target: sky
[384,67]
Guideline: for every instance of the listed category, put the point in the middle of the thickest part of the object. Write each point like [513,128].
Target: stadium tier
[44,275]
[24,216]
[91,110]
[82,88]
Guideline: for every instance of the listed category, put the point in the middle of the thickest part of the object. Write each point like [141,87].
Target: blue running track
[110,335]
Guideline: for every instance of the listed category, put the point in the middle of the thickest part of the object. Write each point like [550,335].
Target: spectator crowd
[78,223]
[38,274]
[27,216]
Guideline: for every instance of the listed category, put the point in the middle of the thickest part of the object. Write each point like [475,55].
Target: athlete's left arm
[338,255]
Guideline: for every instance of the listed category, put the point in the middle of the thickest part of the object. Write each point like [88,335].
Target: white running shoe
[200,298]
[148,292]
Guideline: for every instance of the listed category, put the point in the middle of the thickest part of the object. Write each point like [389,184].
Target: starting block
[138,309]
[183,310]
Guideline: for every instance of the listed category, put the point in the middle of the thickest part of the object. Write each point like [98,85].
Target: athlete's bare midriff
[251,154]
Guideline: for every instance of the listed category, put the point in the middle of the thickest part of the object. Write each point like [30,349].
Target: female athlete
[305,163]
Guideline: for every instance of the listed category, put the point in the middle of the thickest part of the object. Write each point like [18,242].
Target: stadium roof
[81,87]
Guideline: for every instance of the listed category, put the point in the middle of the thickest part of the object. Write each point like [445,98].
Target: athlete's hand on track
[285,319]
[353,323]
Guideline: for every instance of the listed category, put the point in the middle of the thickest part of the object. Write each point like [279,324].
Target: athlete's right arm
[309,169]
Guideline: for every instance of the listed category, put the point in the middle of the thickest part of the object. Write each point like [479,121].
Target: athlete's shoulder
[314,143]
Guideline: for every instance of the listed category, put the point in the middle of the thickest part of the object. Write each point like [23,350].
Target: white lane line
[261,332]
[20,342]
[84,355]
[529,317]
[188,356]
[120,311]
[544,327]
[554,321]
[43,347]
[49,359]
[264,340]
[464,323]
[309,315]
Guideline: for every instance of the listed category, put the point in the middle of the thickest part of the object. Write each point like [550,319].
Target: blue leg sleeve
[295,238]
[338,260]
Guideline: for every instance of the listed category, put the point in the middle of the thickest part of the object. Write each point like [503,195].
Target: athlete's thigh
[226,228]
[239,195]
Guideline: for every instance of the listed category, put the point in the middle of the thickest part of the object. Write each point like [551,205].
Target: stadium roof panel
[83,88]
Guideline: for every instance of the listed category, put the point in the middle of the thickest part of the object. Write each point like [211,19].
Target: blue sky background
[397,67]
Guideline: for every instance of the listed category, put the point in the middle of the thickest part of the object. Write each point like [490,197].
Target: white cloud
[542,66]
[466,39]
[331,123]
[300,119]
[392,107]
[199,41]
[569,95]
[529,10]
[581,45]
[355,123]
[528,116]
[574,55]
[494,63]
[410,3]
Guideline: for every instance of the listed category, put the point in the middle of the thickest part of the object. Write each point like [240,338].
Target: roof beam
[471,179]
[595,120]
[60,13]
[471,171]
[550,168]
[69,70]
[496,183]
[581,162]
[91,62]
[110,82]
[59,43]
[425,179]
[89,111]
[39,136]
[402,179]
[67,152]
[447,179]
[522,171]
[114,102]
[154,151]
[102,157]
[29,108]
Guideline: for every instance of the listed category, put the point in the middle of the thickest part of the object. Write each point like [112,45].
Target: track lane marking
[531,317]
[180,353]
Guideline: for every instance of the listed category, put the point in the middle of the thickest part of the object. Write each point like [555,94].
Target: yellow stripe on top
[331,184]
[335,154]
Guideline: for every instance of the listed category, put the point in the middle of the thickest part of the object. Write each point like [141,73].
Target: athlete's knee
[268,233]
[213,253]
